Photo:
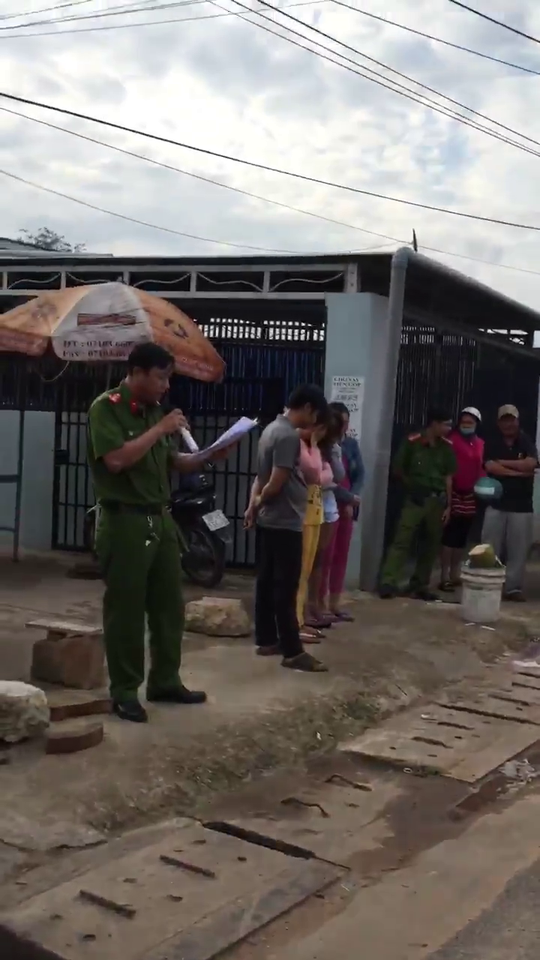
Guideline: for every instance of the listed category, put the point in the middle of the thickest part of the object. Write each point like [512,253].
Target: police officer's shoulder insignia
[414,436]
[115,397]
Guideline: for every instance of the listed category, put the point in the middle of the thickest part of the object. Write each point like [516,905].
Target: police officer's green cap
[439,415]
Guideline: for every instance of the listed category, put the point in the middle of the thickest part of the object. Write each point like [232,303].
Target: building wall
[357,343]
[38,469]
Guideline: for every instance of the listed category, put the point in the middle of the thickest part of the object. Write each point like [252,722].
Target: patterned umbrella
[103,322]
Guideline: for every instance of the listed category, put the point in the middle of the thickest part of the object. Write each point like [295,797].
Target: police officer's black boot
[424,593]
[179,694]
[130,710]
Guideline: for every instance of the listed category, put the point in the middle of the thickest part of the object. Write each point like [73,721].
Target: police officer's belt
[146,509]
[418,496]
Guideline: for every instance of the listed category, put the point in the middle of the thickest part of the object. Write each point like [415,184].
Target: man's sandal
[304,662]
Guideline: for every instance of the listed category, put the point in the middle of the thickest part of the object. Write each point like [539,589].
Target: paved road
[508,930]
[474,897]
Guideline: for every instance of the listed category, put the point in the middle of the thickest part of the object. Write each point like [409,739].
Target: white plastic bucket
[481,594]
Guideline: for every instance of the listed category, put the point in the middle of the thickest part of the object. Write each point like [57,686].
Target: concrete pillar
[359,342]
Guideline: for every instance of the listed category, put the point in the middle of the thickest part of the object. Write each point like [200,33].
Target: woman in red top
[469,451]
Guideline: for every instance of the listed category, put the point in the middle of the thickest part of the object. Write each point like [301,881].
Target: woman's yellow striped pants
[310,542]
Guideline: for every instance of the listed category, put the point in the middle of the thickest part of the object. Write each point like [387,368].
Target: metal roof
[455,296]
[431,287]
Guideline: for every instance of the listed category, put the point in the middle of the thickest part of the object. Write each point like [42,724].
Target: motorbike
[203,531]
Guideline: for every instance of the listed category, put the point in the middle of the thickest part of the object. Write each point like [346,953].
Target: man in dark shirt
[512,458]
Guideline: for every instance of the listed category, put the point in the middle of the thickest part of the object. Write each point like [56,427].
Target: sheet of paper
[234,434]
[350,391]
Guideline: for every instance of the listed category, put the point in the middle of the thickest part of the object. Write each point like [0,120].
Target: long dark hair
[339,407]
[334,430]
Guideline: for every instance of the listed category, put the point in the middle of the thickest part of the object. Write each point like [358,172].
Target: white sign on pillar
[350,391]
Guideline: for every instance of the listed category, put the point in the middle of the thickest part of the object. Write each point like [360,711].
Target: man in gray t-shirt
[279,446]
[278,505]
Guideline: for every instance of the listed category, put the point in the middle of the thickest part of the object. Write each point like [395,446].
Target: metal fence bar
[449,369]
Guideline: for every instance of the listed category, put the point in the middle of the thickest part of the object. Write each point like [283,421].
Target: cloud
[226,84]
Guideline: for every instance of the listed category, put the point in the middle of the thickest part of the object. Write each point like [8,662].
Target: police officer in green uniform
[131,453]
[425,463]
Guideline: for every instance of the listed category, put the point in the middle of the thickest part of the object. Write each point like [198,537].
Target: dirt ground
[266,739]
[259,717]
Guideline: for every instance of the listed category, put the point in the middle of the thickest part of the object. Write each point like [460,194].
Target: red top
[469,453]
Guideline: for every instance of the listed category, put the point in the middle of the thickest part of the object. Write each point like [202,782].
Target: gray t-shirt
[279,446]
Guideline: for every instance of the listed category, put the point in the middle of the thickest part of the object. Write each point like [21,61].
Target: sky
[220,82]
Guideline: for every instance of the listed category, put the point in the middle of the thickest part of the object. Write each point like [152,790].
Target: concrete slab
[330,822]
[65,628]
[528,680]
[190,895]
[23,833]
[462,745]
[511,701]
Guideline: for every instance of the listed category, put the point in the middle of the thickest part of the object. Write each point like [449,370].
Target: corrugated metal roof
[430,285]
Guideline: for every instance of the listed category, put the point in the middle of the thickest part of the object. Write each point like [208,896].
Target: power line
[255,196]
[428,36]
[498,23]
[405,76]
[197,176]
[396,87]
[144,23]
[31,13]
[488,263]
[111,12]
[141,223]
[263,166]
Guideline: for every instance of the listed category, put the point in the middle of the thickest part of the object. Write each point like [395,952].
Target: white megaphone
[188,440]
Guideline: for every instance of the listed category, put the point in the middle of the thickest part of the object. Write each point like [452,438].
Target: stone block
[71,736]
[218,617]
[24,711]
[70,704]
[74,661]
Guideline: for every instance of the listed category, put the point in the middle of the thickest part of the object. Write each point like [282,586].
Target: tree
[50,240]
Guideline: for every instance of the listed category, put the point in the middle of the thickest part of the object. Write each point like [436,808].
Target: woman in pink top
[469,451]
